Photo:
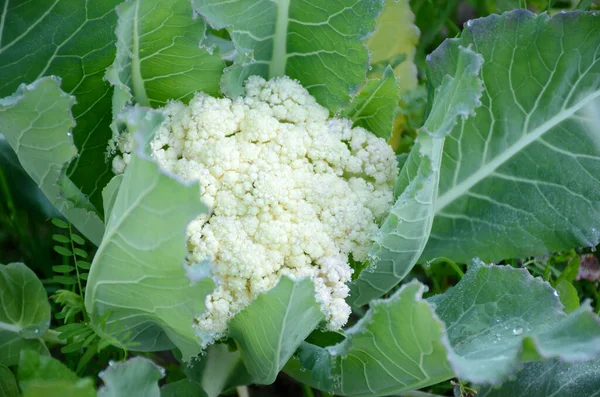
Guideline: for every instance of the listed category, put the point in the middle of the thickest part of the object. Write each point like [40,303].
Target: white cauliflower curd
[292,192]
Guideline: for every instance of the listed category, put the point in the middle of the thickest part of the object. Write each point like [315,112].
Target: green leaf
[137,274]
[61,238]
[159,55]
[8,383]
[109,194]
[81,253]
[550,378]
[497,316]
[404,233]
[321,46]
[63,269]
[46,376]
[60,223]
[270,329]
[494,319]
[396,36]
[73,39]
[24,312]
[398,345]
[137,376]
[84,265]
[64,251]
[374,108]
[218,370]
[568,295]
[518,179]
[77,239]
[65,280]
[37,122]
[182,388]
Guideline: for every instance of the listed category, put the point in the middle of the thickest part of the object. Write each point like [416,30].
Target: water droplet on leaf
[517,330]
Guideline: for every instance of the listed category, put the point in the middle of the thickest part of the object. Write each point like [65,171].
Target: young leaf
[36,120]
[374,108]
[518,179]
[73,39]
[24,312]
[321,46]
[404,233]
[137,273]
[46,376]
[159,55]
[135,377]
[270,329]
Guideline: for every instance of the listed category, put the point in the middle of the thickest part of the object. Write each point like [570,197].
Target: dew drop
[36,331]
[470,23]
[517,330]
[555,293]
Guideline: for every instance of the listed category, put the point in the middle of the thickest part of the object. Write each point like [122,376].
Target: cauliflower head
[292,193]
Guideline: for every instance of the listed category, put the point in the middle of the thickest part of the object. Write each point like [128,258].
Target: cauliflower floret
[292,193]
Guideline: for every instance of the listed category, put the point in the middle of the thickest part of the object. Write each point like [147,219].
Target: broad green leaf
[374,108]
[550,379]
[37,122]
[24,312]
[318,44]
[497,316]
[404,233]
[137,376]
[73,39]
[8,383]
[398,345]
[46,376]
[182,388]
[217,370]
[159,55]
[395,34]
[494,319]
[109,194]
[270,329]
[138,274]
[519,178]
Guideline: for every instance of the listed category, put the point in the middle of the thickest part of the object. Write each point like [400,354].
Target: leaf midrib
[137,81]
[279,58]
[487,169]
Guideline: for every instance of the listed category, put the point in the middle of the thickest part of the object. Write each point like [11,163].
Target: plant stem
[77,269]
[242,391]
